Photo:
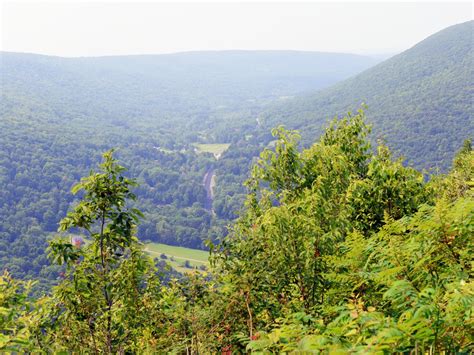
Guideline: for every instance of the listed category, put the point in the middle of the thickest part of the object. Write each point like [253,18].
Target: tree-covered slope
[421,100]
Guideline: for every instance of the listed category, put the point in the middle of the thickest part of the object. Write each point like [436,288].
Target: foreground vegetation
[338,249]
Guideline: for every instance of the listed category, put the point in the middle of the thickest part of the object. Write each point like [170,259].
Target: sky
[91,28]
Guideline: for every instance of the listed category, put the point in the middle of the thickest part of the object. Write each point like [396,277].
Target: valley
[167,125]
[169,129]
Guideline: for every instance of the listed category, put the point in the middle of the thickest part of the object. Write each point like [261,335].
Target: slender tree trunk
[247,303]
[93,337]
[108,299]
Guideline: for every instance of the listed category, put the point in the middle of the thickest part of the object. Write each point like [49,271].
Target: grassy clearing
[216,149]
[177,256]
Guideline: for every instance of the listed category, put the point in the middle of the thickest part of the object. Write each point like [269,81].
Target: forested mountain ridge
[144,86]
[420,101]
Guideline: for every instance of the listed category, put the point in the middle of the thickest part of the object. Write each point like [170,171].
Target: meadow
[216,148]
[178,256]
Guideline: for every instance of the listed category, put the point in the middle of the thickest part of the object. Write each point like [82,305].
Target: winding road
[209,182]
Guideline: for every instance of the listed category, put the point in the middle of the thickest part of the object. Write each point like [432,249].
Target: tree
[301,208]
[106,296]
[401,284]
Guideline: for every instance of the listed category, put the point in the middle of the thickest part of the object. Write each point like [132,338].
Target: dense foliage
[338,249]
[343,251]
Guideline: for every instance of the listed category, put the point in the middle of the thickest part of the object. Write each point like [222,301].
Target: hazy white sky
[89,28]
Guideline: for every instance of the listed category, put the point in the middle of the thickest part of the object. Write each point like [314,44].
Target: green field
[217,149]
[177,256]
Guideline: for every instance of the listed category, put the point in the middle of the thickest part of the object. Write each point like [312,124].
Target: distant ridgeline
[58,114]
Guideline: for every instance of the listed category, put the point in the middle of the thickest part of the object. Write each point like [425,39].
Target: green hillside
[421,100]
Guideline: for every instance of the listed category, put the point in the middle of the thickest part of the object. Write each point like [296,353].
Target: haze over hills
[420,101]
[142,87]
